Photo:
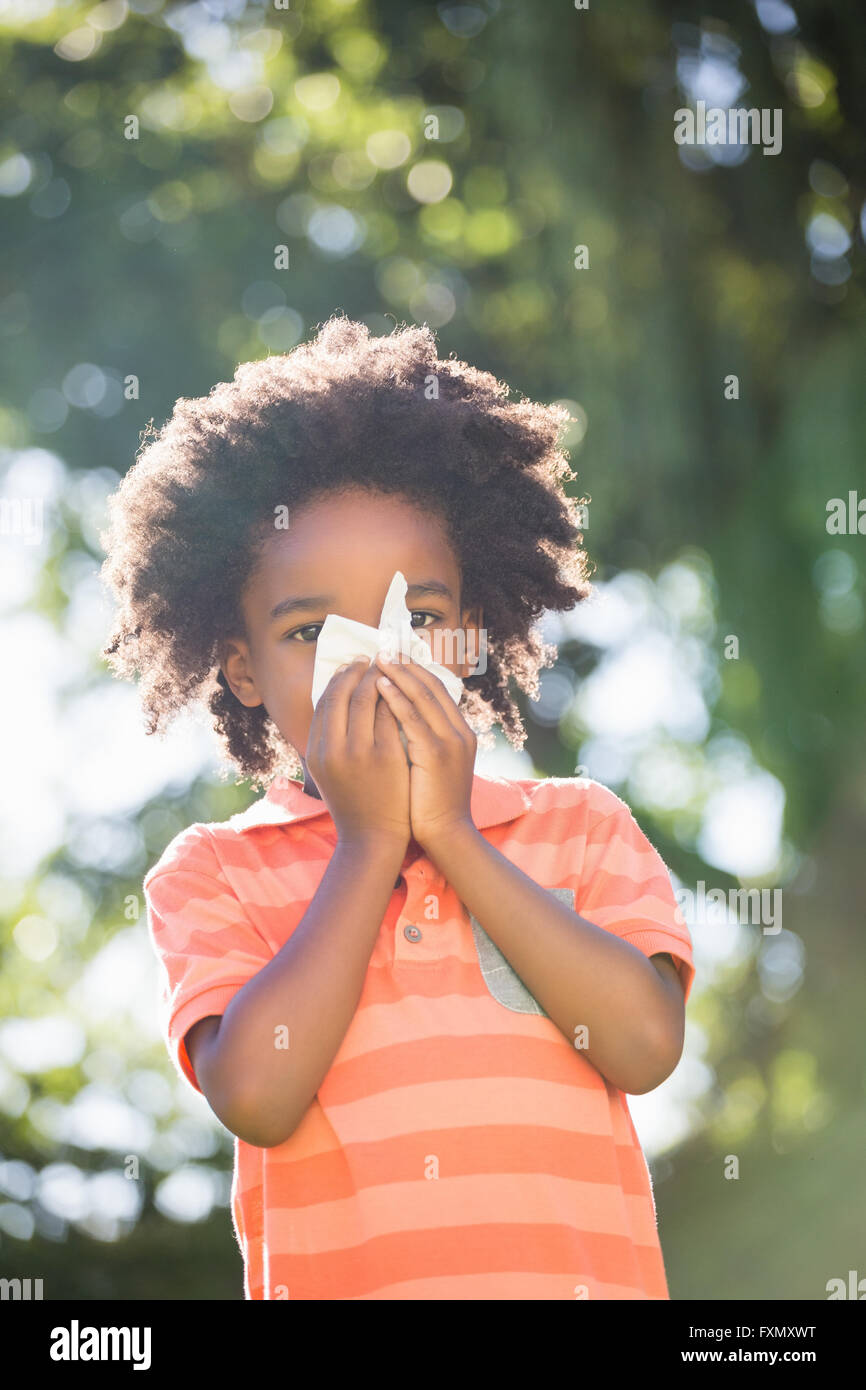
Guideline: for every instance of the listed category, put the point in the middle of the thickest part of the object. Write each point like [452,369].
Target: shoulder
[192,849]
[211,847]
[588,803]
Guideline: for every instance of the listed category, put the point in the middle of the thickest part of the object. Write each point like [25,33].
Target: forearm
[307,996]
[584,977]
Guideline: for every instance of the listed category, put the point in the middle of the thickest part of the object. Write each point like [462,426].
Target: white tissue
[341,639]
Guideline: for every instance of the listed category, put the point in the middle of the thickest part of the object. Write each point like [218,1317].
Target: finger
[362,708]
[409,716]
[428,695]
[386,730]
[330,717]
[450,706]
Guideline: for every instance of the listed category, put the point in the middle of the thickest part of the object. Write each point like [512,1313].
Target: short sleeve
[624,886]
[205,943]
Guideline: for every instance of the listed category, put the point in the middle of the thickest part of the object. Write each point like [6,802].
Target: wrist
[448,837]
[374,843]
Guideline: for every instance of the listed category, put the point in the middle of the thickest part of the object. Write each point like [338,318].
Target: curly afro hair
[344,410]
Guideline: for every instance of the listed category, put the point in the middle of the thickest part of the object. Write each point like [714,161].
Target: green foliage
[309,128]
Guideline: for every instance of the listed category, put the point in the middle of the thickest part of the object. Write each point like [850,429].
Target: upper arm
[208,947]
[198,1039]
[673,988]
[200,1042]
[624,886]
[664,964]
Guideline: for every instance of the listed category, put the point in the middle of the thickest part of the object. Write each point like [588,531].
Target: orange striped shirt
[460,1146]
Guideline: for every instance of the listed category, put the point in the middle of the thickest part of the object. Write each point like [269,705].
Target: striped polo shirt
[460,1146]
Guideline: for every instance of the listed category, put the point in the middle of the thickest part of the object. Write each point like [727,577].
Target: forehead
[337,542]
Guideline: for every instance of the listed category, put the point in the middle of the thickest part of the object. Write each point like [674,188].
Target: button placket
[412,935]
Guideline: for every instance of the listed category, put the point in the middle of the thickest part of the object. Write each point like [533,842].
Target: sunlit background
[440,164]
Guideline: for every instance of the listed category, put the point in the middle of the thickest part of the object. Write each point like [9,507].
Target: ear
[476,643]
[236,665]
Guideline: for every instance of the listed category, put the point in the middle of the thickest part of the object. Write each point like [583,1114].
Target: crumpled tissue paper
[342,639]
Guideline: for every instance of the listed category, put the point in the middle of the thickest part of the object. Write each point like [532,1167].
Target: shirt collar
[493,801]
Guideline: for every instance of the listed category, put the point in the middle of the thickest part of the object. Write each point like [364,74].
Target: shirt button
[412,933]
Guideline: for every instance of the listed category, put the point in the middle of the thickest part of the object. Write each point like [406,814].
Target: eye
[308,627]
[305,628]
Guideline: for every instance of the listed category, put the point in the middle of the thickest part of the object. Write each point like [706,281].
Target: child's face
[345,550]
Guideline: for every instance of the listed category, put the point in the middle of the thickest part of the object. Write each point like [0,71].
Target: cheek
[289,684]
[292,712]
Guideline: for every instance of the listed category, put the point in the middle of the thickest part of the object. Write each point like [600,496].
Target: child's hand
[441,748]
[356,759]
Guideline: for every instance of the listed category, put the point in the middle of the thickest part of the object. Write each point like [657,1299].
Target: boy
[416,996]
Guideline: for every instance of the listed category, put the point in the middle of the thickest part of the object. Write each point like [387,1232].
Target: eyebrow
[307,601]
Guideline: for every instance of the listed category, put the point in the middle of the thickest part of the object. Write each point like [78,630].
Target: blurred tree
[442,165]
